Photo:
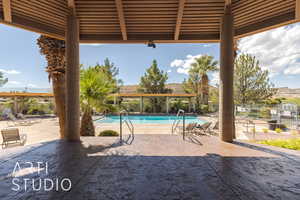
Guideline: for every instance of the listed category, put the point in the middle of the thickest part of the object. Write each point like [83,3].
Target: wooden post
[72,77]
[297,12]
[226,103]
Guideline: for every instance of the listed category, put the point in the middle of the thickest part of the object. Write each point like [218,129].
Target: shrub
[109,133]
[265,130]
[289,144]
[278,130]
[265,113]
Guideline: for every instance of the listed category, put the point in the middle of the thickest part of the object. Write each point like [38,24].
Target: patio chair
[203,129]
[12,136]
[216,126]
[22,117]
[13,121]
[190,128]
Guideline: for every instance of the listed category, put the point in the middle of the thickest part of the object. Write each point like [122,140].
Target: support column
[167,105]
[15,110]
[115,100]
[141,104]
[226,103]
[72,78]
[189,104]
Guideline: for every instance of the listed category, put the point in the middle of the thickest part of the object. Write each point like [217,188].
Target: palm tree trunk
[87,127]
[58,84]
[204,89]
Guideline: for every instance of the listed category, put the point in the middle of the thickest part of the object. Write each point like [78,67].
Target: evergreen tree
[2,79]
[153,82]
[251,83]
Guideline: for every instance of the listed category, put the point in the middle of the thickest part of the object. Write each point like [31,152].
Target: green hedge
[109,133]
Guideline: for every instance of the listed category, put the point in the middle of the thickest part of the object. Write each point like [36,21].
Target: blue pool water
[141,119]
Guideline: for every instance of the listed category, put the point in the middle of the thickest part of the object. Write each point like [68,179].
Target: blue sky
[22,63]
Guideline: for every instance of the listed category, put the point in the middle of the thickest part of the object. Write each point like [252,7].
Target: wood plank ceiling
[138,21]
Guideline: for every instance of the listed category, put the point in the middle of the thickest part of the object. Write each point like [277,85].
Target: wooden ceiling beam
[120,11]
[7,10]
[179,18]
[297,10]
[227,2]
[72,6]
[71,3]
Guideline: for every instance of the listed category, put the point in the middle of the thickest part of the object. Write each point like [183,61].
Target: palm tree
[201,67]
[95,87]
[54,50]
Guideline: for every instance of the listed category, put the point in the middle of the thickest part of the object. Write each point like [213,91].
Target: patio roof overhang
[135,95]
[133,21]
[160,21]
[24,94]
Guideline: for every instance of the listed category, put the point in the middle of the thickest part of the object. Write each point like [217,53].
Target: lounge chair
[216,126]
[203,129]
[22,117]
[12,136]
[13,121]
[190,128]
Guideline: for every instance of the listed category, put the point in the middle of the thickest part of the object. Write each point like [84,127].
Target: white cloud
[12,71]
[215,79]
[184,65]
[277,50]
[14,83]
[32,85]
[169,71]
[176,63]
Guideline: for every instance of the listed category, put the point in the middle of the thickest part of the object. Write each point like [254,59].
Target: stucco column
[167,105]
[141,104]
[226,103]
[15,110]
[189,104]
[72,78]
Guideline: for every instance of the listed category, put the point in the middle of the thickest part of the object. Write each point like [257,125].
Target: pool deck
[156,167]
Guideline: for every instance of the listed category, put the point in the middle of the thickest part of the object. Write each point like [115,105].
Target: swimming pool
[151,119]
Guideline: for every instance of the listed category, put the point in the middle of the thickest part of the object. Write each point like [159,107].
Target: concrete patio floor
[154,167]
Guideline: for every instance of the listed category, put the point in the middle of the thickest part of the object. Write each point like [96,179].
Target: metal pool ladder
[180,116]
[124,118]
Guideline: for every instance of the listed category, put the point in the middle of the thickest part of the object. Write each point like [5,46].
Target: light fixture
[151,44]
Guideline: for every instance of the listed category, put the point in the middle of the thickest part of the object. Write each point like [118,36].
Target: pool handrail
[177,120]
[127,121]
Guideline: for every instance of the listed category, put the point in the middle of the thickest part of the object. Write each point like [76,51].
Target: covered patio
[152,166]
[153,21]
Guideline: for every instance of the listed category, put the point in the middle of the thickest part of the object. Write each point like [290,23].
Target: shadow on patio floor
[154,167]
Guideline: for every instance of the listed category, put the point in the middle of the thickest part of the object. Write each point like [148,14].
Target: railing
[124,118]
[180,116]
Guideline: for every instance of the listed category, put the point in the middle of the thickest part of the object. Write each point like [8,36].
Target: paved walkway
[152,167]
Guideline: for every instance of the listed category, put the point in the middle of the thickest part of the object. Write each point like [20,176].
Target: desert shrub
[278,130]
[265,113]
[265,130]
[39,109]
[108,133]
[177,104]
[289,144]
[204,108]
